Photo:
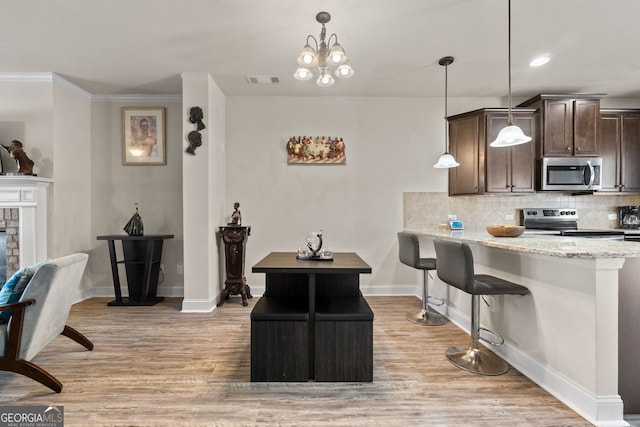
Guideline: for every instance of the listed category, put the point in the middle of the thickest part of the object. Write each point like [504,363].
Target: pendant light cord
[509,119]
[446,123]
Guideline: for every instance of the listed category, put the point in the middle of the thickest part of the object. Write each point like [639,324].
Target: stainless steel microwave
[570,173]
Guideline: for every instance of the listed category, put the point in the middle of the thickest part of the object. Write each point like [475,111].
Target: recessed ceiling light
[541,60]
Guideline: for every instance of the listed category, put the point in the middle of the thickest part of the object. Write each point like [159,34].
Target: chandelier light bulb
[344,71]
[308,57]
[337,55]
[303,74]
[325,79]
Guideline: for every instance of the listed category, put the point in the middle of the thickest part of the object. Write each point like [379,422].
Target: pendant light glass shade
[344,71]
[446,160]
[325,79]
[303,73]
[511,134]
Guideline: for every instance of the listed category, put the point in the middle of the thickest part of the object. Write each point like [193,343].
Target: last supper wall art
[317,150]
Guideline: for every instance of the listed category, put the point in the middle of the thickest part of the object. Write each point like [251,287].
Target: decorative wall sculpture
[316,150]
[195,138]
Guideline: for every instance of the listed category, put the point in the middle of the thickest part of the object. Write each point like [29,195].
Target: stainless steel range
[563,222]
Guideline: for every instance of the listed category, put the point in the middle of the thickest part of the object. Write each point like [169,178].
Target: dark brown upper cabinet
[620,150]
[484,169]
[568,124]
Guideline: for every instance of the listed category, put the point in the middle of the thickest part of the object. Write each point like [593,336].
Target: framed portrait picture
[143,136]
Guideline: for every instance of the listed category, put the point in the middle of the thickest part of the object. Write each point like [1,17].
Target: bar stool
[410,255]
[455,267]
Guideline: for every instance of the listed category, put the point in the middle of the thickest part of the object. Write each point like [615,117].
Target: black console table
[142,255]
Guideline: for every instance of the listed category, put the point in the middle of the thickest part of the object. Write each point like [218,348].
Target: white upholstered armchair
[40,315]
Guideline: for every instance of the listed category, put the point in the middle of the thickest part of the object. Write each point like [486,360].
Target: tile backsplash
[430,209]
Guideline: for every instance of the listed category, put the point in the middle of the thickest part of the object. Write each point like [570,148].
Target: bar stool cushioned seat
[455,267]
[409,251]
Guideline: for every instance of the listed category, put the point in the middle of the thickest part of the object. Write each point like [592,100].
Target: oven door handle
[592,174]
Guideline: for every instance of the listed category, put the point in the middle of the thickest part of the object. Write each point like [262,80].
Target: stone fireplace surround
[23,199]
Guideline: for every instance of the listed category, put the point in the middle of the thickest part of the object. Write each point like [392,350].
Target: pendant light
[511,134]
[446,160]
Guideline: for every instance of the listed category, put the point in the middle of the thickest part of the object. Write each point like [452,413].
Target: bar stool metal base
[428,317]
[477,360]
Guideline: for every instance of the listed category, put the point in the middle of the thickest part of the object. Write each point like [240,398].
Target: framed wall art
[318,150]
[143,136]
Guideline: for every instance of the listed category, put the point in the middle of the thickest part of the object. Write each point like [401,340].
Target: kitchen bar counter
[564,335]
[542,244]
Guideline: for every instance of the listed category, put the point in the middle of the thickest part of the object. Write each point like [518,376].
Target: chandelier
[323,55]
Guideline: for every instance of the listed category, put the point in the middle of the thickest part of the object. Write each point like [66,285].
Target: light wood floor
[155,366]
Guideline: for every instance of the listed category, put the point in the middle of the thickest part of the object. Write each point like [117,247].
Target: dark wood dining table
[289,277]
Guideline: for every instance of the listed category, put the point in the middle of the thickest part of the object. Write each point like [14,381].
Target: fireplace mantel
[29,195]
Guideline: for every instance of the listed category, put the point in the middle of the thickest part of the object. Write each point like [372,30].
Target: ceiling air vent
[263,80]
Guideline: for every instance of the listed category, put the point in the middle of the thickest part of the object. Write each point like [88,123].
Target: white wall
[391,146]
[116,188]
[57,123]
[71,191]
[203,193]
[31,102]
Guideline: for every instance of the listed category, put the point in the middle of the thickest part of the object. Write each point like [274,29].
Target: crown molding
[67,84]
[42,77]
[55,78]
[26,77]
[136,98]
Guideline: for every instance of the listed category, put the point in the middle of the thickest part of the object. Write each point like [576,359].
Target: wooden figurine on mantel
[25,164]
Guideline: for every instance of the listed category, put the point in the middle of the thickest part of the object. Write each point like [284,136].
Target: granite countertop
[551,245]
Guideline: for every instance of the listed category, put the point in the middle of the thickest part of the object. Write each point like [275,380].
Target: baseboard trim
[198,305]
[107,291]
[602,411]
